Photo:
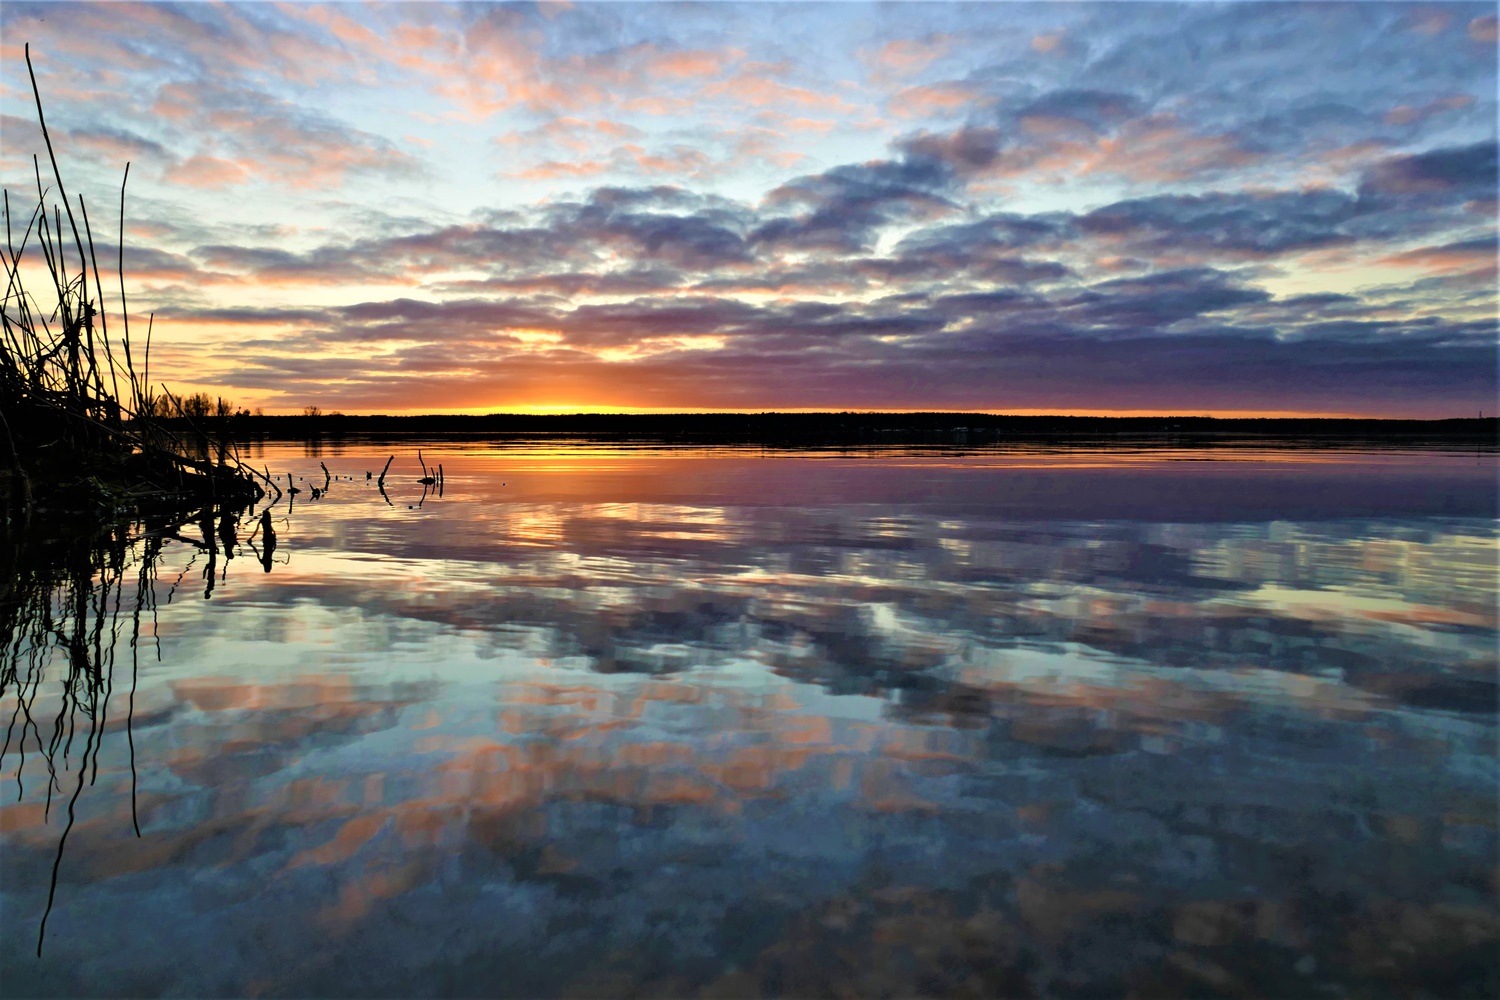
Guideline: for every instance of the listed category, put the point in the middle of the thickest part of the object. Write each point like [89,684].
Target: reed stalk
[64,428]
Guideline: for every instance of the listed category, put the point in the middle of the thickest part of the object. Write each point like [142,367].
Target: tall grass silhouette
[80,420]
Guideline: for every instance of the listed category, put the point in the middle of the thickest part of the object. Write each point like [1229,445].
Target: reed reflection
[74,604]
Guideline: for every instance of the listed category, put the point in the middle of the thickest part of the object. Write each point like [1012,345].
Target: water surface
[617,721]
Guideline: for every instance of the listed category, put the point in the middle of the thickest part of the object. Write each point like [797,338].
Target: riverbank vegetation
[872,429]
[82,426]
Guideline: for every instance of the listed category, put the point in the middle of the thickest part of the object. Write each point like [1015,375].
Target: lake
[610,720]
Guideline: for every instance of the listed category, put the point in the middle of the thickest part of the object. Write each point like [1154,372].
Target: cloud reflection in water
[901,731]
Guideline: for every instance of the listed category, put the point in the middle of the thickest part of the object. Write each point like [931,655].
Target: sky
[1027,208]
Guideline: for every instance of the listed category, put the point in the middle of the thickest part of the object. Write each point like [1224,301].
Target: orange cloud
[907,56]
[758,84]
[939,98]
[340,25]
[658,105]
[686,65]
[574,134]
[628,157]
[1047,43]
[1356,154]
[177,101]
[1055,126]
[1464,258]
[1157,149]
[787,123]
[149,230]
[553,169]
[207,172]
[232,44]
[763,145]
[1484,29]
[271,140]
[498,63]
[1405,114]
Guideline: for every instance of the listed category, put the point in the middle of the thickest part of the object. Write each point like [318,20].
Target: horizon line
[1029,414]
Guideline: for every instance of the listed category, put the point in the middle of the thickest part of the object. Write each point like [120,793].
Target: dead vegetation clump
[81,425]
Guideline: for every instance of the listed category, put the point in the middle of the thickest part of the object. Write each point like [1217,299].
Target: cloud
[904,57]
[207,172]
[576,135]
[498,59]
[573,147]
[258,136]
[1475,257]
[794,123]
[1464,172]
[1139,305]
[111,147]
[275,266]
[690,64]
[221,43]
[933,99]
[999,351]
[1160,149]
[1098,110]
[842,210]
[578,284]
[701,240]
[246,316]
[1256,224]
[965,152]
[1047,42]
[1002,232]
[658,230]
[1406,114]
[762,85]
[115,146]
[1075,134]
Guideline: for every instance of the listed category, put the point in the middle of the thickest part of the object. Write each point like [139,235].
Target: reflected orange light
[570,408]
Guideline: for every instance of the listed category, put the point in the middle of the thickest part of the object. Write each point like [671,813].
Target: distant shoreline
[856,429]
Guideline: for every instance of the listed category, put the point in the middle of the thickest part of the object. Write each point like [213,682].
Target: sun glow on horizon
[571,409]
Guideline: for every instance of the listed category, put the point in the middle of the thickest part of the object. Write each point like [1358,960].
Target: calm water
[610,721]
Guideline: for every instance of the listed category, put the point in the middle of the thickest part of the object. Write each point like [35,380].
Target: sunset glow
[1109,209]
